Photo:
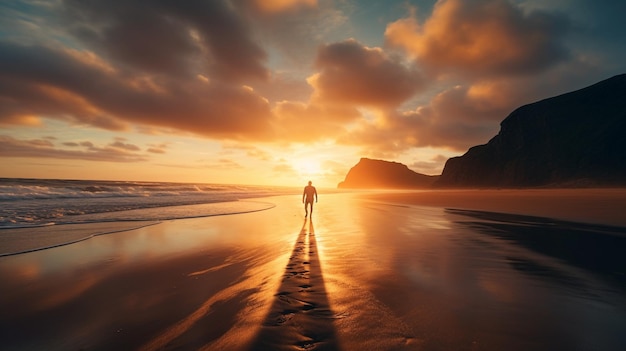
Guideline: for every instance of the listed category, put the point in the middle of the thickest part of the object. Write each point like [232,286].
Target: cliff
[573,139]
[370,173]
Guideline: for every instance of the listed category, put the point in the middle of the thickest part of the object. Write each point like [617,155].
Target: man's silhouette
[307,197]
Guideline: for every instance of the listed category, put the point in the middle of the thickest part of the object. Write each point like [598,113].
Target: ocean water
[47,202]
[37,214]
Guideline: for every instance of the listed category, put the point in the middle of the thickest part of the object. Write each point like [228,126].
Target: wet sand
[600,206]
[366,272]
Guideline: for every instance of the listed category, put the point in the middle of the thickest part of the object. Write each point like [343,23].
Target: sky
[279,92]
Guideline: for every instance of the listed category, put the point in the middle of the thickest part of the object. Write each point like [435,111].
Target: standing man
[307,197]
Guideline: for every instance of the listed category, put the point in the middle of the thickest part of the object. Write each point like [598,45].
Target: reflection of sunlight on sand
[257,280]
[355,253]
[27,271]
[380,276]
[258,284]
[212,269]
[67,293]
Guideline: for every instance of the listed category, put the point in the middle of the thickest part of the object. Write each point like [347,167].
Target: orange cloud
[303,122]
[481,37]
[44,81]
[454,119]
[277,6]
[26,97]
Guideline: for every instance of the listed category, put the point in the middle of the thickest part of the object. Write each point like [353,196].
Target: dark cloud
[40,143]
[352,73]
[456,119]
[36,80]
[156,151]
[124,146]
[157,148]
[169,37]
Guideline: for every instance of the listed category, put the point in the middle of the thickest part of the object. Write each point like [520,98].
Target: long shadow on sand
[300,317]
[596,248]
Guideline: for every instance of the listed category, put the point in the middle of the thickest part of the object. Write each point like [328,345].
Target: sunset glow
[280,92]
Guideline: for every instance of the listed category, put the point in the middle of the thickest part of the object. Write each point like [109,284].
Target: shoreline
[111,229]
[598,206]
[25,239]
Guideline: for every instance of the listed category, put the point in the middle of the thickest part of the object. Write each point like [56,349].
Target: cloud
[38,148]
[124,146]
[431,166]
[306,122]
[156,151]
[482,37]
[157,148]
[351,73]
[484,57]
[168,37]
[455,119]
[37,80]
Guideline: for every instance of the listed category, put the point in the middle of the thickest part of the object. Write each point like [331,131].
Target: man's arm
[315,190]
[303,193]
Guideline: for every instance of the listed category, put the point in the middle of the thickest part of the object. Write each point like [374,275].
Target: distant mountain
[371,174]
[575,139]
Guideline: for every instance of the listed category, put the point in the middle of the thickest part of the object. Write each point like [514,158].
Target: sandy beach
[448,270]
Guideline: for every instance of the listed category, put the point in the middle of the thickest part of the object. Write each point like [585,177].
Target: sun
[307,168]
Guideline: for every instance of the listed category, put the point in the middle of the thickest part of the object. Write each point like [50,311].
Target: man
[307,197]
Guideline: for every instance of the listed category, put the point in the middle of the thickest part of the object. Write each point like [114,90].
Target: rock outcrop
[578,138]
[371,174]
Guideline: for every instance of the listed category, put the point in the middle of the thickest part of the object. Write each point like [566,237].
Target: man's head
[310,182]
